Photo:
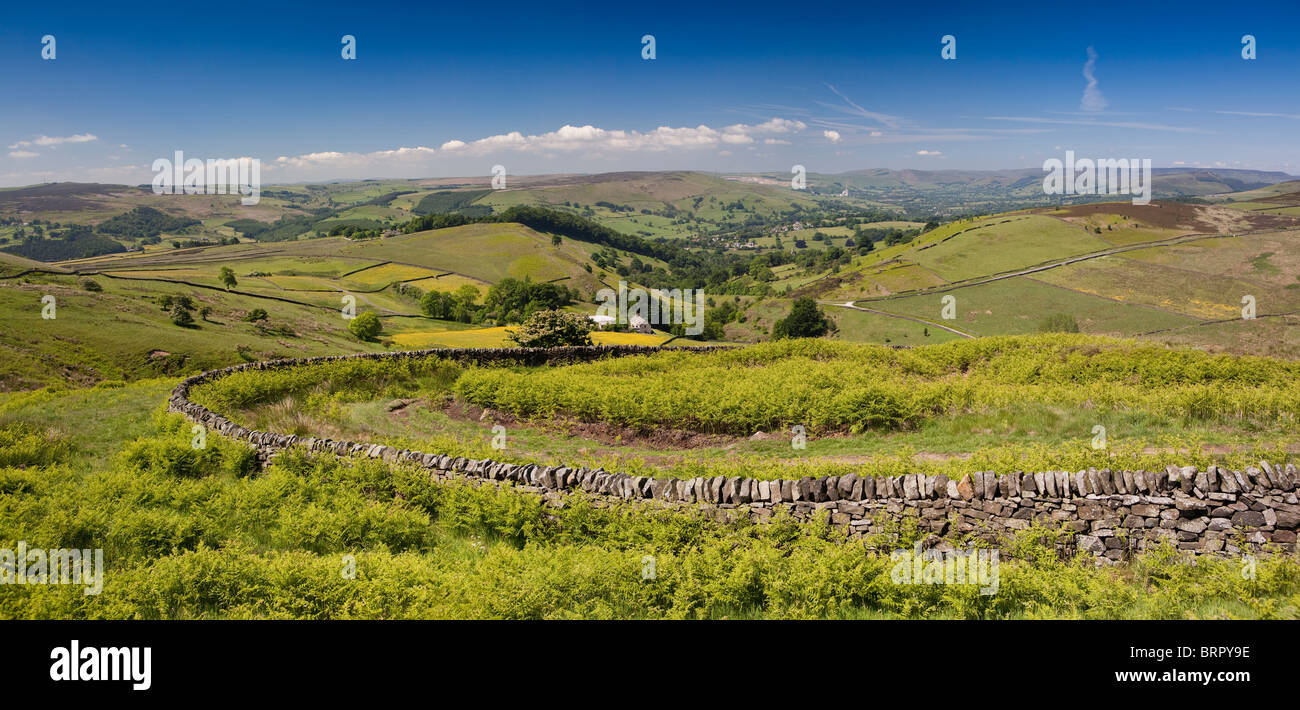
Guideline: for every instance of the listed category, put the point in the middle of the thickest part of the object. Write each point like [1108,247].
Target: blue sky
[733,87]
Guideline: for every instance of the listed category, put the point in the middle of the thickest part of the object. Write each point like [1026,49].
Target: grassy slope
[191,535]
[122,333]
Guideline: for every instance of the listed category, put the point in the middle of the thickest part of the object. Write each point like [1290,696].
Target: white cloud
[929,152]
[832,136]
[1092,98]
[596,140]
[48,141]
[335,158]
[22,154]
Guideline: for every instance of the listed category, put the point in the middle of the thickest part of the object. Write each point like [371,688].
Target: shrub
[180,315]
[806,320]
[549,329]
[365,326]
[1059,323]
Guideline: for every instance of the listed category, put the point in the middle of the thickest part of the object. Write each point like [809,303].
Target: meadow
[1002,404]
[191,534]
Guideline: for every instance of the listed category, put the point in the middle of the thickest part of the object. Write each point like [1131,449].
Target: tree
[228,277]
[467,294]
[550,329]
[555,240]
[180,315]
[437,304]
[256,314]
[806,320]
[365,326]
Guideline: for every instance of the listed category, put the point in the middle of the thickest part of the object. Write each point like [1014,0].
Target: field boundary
[1112,514]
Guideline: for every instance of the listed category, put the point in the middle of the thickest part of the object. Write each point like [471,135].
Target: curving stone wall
[1112,513]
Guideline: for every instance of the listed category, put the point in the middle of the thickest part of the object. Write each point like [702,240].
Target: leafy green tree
[256,314]
[180,315]
[550,329]
[365,326]
[467,294]
[228,277]
[806,320]
[437,304]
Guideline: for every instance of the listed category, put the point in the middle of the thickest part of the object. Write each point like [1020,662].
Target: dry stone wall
[1112,514]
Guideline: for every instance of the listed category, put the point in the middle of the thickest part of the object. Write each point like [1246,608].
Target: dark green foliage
[248,227]
[143,222]
[806,320]
[512,300]
[385,199]
[76,243]
[181,315]
[448,201]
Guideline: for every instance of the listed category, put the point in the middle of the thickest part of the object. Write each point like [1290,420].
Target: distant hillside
[143,222]
[991,191]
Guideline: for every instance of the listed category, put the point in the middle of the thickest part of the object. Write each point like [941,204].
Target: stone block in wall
[1049,481]
[965,488]
[1248,518]
[909,487]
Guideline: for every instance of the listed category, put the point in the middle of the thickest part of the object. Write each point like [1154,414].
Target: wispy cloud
[50,141]
[1104,124]
[1260,114]
[884,119]
[23,154]
[1092,98]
